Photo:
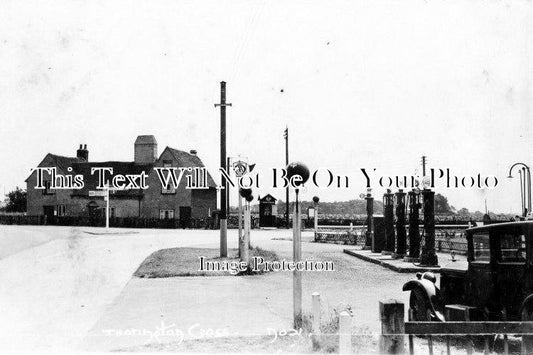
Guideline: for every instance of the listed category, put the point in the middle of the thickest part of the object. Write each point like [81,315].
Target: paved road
[59,283]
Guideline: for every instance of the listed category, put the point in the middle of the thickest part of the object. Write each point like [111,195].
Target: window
[166,214]
[481,246]
[512,247]
[61,210]
[47,188]
[169,189]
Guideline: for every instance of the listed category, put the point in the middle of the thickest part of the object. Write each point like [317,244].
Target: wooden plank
[473,328]
[392,327]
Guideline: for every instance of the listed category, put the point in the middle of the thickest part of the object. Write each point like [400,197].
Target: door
[511,269]
[185,217]
[268,216]
[94,213]
[480,276]
[48,212]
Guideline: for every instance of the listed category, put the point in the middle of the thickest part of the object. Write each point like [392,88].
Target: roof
[148,139]
[185,159]
[82,167]
[268,196]
[58,161]
[119,167]
[500,225]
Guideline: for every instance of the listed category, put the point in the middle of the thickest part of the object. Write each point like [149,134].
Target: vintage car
[496,282]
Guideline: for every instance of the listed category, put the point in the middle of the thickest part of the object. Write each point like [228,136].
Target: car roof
[523,224]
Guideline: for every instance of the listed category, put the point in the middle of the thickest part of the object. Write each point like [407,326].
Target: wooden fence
[394,330]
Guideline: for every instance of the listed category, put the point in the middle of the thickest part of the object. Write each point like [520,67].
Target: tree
[441,204]
[15,201]
[463,212]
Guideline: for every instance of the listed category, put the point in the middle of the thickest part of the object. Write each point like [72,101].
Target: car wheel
[419,306]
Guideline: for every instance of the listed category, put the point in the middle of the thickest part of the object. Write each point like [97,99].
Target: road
[58,282]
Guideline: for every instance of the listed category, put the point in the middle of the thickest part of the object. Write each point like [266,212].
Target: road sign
[240,167]
[97,193]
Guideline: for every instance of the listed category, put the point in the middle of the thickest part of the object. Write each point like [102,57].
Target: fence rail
[395,329]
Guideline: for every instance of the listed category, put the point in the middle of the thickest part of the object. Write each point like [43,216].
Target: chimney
[145,150]
[193,152]
[82,153]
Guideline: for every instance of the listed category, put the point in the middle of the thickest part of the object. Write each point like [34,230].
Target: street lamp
[301,170]
[525,186]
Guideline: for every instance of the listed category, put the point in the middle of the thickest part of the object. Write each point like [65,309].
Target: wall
[154,200]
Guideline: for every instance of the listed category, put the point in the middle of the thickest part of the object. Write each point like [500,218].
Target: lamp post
[244,238]
[315,203]
[525,186]
[297,169]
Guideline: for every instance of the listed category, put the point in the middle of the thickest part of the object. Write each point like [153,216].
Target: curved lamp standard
[525,186]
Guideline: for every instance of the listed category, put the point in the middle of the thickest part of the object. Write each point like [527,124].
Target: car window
[512,247]
[481,246]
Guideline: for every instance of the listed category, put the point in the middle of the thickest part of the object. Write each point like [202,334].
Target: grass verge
[175,262]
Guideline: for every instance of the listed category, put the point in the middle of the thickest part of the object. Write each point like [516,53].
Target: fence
[448,238]
[394,329]
[353,235]
[121,222]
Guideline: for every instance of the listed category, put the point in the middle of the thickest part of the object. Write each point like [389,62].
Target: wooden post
[316,319]
[345,333]
[391,340]
[527,340]
[224,183]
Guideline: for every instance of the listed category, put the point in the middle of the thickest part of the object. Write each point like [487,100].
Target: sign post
[240,168]
[105,194]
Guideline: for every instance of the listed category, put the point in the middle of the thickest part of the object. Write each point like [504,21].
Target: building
[156,201]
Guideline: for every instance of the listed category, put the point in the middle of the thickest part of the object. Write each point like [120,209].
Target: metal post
[522,197]
[316,217]
[287,189]
[401,238]
[224,184]
[107,208]
[228,204]
[528,189]
[297,275]
[414,231]
[429,257]
[369,240]
[241,237]
[388,207]
[246,245]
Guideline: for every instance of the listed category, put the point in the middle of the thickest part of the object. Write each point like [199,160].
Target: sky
[359,84]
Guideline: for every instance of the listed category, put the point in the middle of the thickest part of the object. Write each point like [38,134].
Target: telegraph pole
[286,136]
[224,183]
[423,165]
